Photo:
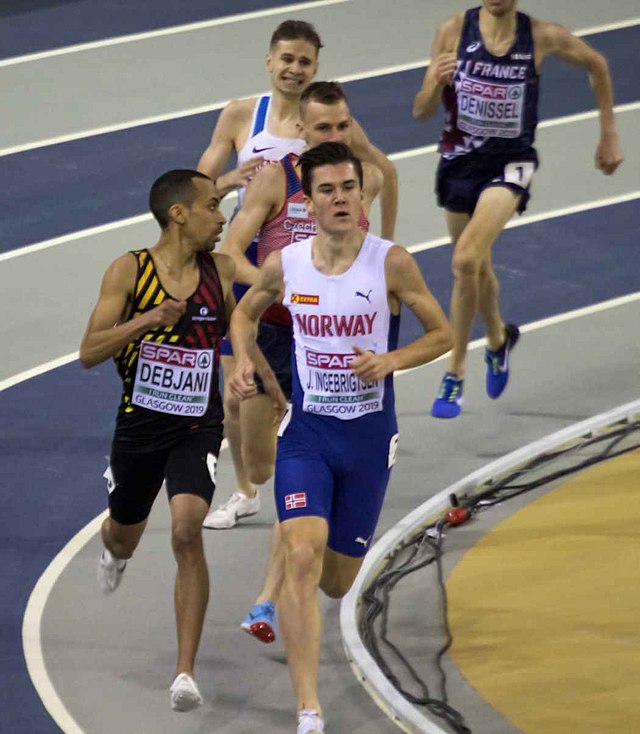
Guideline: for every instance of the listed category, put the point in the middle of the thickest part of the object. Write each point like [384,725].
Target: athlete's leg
[338,573]
[304,541]
[274,576]
[489,303]
[192,578]
[259,436]
[232,430]
[121,540]
[495,207]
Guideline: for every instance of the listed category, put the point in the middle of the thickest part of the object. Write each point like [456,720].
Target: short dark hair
[173,187]
[328,93]
[294,30]
[326,154]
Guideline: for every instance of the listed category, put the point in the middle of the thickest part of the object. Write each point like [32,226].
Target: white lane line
[32,620]
[171,30]
[412,153]
[83,233]
[382,71]
[552,214]
[186,28]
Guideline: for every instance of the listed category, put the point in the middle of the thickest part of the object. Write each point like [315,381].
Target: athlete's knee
[465,263]
[303,560]
[186,536]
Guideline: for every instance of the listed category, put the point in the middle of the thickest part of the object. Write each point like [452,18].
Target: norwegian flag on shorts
[296,500]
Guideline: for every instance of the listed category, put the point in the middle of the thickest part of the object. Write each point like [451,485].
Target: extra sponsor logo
[305,299]
[295,501]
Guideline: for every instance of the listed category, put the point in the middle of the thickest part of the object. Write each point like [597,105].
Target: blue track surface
[29,26]
[59,189]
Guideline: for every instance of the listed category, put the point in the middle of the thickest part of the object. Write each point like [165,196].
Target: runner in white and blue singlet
[258,130]
[344,289]
[485,69]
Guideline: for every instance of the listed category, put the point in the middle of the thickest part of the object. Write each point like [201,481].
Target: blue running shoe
[498,362]
[260,622]
[448,404]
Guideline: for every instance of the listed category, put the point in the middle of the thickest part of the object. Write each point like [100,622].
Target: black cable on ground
[426,548]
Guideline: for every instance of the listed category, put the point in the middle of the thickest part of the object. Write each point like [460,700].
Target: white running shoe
[237,506]
[184,693]
[310,722]
[110,572]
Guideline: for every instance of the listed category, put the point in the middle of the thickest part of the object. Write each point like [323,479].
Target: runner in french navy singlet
[492,105]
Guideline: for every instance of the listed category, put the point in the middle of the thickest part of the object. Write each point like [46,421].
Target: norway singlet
[170,374]
[292,223]
[332,314]
[491,107]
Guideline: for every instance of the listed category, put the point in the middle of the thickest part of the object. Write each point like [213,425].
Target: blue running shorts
[338,473]
[461,180]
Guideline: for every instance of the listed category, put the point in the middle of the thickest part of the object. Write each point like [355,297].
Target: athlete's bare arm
[226,271]
[366,151]
[551,39]
[373,181]
[244,327]
[108,330]
[229,135]
[263,199]
[405,285]
[439,73]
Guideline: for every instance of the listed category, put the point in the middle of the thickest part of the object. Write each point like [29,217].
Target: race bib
[172,379]
[331,388]
[490,109]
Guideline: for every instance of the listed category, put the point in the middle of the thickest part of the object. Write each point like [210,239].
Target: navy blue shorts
[461,180]
[275,342]
[188,467]
[336,474]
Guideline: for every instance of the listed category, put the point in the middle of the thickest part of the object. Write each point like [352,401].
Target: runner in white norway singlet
[331,314]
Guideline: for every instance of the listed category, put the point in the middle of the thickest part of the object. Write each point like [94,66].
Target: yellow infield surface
[545,608]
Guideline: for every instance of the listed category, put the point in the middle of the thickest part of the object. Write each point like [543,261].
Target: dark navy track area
[55,190]
[31,26]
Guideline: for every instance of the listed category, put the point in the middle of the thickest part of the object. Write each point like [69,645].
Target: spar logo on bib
[305,299]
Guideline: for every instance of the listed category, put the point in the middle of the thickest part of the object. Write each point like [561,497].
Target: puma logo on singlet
[363,295]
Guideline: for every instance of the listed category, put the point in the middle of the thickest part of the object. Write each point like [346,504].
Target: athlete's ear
[309,204]
[268,60]
[176,213]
